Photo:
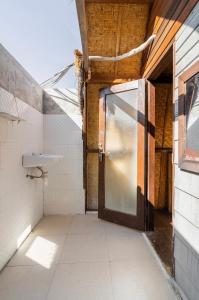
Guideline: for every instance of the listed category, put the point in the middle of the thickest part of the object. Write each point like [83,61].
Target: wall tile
[64,193]
[21,200]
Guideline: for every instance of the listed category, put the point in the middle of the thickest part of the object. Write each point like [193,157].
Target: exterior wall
[166,18]
[18,82]
[64,193]
[186,200]
[92,143]
[186,267]
[21,199]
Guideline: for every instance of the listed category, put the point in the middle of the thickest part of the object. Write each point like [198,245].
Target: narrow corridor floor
[83,258]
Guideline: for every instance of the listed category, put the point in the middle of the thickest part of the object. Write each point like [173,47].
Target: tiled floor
[83,258]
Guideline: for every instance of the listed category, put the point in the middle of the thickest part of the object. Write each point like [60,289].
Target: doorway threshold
[161,239]
[91,212]
[170,278]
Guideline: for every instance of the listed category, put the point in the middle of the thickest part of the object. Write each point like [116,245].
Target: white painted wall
[186,200]
[21,199]
[63,135]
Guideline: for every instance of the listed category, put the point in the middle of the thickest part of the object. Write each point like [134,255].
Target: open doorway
[161,237]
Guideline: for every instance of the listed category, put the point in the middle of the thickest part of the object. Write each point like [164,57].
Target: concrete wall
[63,135]
[21,199]
[186,184]
[18,82]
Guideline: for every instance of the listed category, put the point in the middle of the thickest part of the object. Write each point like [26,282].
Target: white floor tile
[86,224]
[11,282]
[128,245]
[25,283]
[81,281]
[111,228]
[84,248]
[39,249]
[139,280]
[126,295]
[90,293]
[37,284]
[53,225]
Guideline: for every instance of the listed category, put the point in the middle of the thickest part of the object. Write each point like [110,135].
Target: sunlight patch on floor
[42,251]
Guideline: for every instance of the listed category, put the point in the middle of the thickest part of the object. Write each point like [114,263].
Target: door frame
[151,141]
[150,156]
[143,208]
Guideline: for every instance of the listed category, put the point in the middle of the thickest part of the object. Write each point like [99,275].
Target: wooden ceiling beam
[121,1]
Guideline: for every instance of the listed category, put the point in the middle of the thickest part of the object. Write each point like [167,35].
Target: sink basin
[39,160]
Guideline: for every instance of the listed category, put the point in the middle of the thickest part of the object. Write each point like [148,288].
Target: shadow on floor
[161,238]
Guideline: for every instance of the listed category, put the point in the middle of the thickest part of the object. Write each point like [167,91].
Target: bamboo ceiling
[115,29]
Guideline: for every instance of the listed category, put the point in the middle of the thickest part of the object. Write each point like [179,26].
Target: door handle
[101,154]
[109,155]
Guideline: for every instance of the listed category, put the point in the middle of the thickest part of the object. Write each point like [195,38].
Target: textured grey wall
[16,80]
[186,267]
[50,106]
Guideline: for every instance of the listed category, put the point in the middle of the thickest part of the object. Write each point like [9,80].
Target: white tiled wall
[21,199]
[62,135]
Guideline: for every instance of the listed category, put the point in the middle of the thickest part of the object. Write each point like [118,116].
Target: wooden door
[123,146]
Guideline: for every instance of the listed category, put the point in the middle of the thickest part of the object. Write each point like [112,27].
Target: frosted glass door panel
[121,152]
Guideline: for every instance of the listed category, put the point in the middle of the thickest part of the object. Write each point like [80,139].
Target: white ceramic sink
[39,160]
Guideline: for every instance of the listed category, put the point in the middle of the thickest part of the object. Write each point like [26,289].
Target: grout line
[108,258]
[111,277]
[172,283]
[50,283]
[57,263]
